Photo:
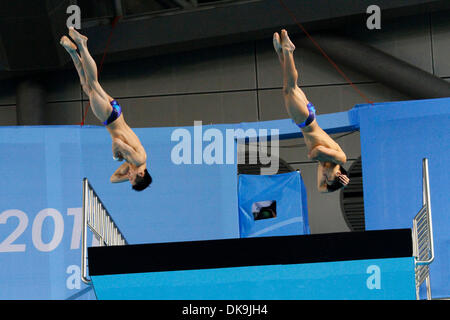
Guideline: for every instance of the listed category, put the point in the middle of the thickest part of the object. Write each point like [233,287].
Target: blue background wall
[395,137]
[41,199]
[42,168]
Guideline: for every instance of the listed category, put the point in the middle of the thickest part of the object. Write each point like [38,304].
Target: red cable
[113,24]
[324,54]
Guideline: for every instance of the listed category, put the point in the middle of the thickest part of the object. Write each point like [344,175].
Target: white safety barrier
[423,244]
[99,221]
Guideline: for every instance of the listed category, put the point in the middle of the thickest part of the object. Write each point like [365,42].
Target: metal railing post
[84,234]
[423,242]
[100,222]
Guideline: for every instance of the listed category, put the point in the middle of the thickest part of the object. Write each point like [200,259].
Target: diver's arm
[123,150]
[120,175]
[321,181]
[324,154]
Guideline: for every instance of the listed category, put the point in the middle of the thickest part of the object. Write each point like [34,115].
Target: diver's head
[337,179]
[139,178]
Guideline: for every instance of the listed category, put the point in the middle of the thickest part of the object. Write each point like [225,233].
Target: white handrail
[423,242]
[99,221]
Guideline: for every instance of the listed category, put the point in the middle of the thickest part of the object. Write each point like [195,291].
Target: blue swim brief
[311,116]
[116,112]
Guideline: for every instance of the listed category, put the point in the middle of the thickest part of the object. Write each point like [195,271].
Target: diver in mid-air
[331,175]
[125,144]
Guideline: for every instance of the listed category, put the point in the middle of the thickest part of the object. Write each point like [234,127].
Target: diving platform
[365,265]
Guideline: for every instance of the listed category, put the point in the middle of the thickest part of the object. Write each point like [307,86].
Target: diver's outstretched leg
[98,98]
[294,98]
[71,48]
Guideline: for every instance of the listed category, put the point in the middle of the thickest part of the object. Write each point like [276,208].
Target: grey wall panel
[271,105]
[137,77]
[350,143]
[63,113]
[8,92]
[342,98]
[324,210]
[214,69]
[406,38]
[441,43]
[60,86]
[8,116]
[183,110]
[230,107]
[150,112]
[327,99]
[313,68]
[294,150]
[63,86]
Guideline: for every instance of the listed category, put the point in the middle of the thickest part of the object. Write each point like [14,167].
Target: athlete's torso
[314,136]
[120,130]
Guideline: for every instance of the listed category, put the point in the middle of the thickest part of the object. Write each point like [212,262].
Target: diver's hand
[343,179]
[118,156]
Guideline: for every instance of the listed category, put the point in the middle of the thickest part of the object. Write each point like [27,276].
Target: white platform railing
[423,243]
[99,221]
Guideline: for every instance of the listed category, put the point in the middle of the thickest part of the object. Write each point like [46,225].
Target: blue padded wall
[42,169]
[338,280]
[41,199]
[395,137]
[289,194]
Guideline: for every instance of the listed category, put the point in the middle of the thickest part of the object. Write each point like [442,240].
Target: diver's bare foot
[286,43]
[76,36]
[67,44]
[277,47]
